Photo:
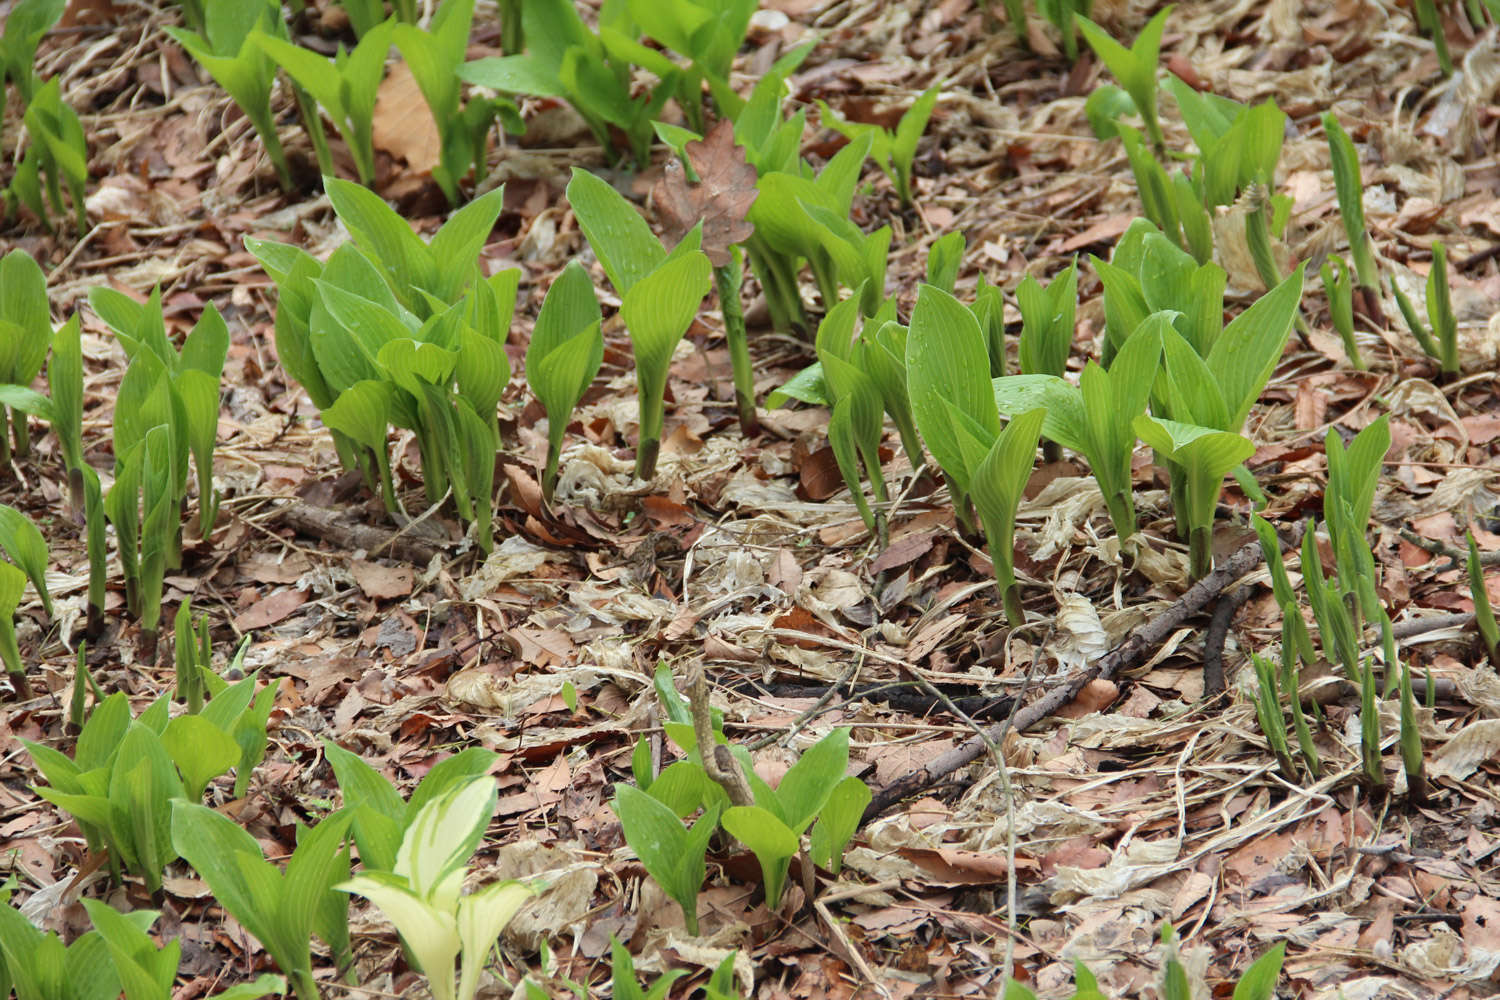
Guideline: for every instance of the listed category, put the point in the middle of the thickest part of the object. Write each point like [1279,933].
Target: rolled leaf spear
[716,186]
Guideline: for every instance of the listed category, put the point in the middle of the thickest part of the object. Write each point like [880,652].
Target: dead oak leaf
[720,200]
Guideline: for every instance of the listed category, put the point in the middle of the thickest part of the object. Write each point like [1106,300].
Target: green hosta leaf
[201,750]
[142,784]
[1047,322]
[619,235]
[566,346]
[1259,981]
[1188,386]
[947,363]
[402,257]
[1250,347]
[997,486]
[23,542]
[807,386]
[681,787]
[807,784]
[770,839]
[658,308]
[1065,422]
[838,821]
[363,413]
[1134,67]
[944,258]
[672,854]
[457,245]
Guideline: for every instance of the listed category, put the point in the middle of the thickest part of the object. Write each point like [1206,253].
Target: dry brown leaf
[403,124]
[720,200]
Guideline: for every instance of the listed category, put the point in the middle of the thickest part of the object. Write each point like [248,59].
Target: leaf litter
[1141,805]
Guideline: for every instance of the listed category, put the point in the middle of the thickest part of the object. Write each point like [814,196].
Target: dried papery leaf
[721,198]
[1469,748]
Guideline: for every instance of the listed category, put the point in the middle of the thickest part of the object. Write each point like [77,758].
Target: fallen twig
[1127,653]
[1213,640]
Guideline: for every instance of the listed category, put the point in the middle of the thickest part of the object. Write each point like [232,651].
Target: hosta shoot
[947,373]
[1063,15]
[1134,67]
[1096,417]
[25,331]
[422,894]
[660,293]
[1484,614]
[1350,190]
[25,25]
[344,86]
[57,154]
[855,424]
[709,33]
[435,56]
[282,909]
[590,70]
[894,150]
[149,972]
[1336,285]
[1205,457]
[564,356]
[243,69]
[772,828]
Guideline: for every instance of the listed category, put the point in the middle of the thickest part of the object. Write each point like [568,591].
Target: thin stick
[1127,653]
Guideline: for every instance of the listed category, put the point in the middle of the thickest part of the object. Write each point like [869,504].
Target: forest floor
[1141,802]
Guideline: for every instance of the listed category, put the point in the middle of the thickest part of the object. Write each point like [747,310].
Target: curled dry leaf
[721,198]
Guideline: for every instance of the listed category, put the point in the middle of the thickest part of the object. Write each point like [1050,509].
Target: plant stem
[314,125]
[1200,552]
[512,34]
[727,280]
[1010,597]
[650,390]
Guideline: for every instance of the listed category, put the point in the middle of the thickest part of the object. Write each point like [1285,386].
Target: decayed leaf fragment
[721,199]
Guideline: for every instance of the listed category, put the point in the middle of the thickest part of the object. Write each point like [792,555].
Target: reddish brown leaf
[720,200]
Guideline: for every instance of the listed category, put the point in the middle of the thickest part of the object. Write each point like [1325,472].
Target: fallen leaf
[720,200]
[270,610]
[403,124]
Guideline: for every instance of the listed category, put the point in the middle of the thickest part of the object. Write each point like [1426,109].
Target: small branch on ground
[717,760]
[1213,640]
[1126,654]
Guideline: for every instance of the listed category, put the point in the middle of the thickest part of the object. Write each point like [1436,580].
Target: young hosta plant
[1134,67]
[894,150]
[395,330]
[671,852]
[282,909]
[421,894]
[660,293]
[25,25]
[1336,285]
[1443,349]
[22,541]
[591,71]
[435,56]
[1204,456]
[789,217]
[1350,189]
[1096,418]
[167,408]
[947,365]
[147,972]
[125,773]
[380,816]
[709,33]
[244,70]
[855,425]
[772,828]
[344,86]
[57,154]
[25,331]
[566,350]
